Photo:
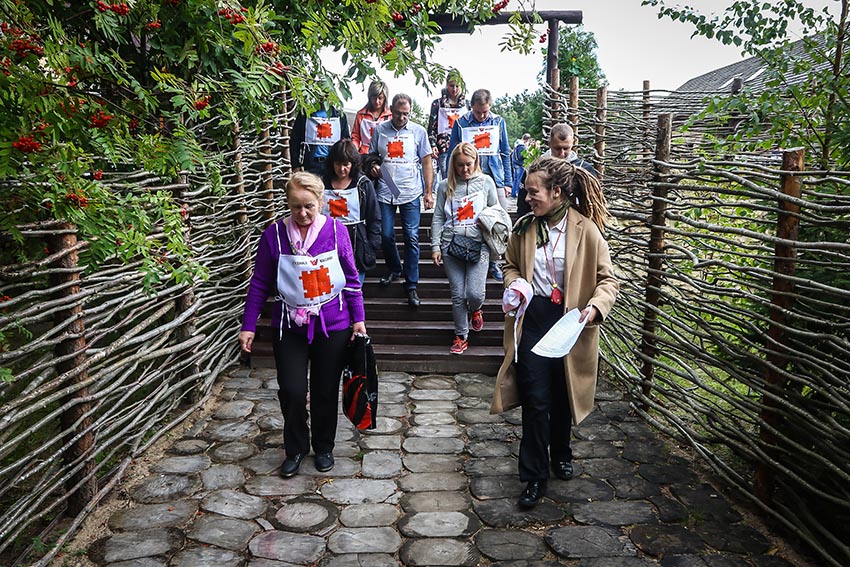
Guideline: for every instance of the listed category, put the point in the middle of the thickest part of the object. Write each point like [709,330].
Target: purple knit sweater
[264,283]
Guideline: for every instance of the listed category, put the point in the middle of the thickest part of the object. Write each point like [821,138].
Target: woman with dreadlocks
[557,260]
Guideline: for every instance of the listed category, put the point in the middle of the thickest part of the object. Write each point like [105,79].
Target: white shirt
[548,257]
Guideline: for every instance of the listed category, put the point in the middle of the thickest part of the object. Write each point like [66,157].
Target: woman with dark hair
[557,260]
[306,261]
[350,198]
[377,110]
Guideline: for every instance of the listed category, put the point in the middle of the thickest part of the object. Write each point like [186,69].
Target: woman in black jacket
[350,197]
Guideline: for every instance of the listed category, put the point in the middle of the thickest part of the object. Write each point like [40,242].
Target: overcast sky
[634,45]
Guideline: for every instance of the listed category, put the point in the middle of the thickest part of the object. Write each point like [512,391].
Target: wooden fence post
[647,114]
[599,130]
[268,178]
[782,299]
[553,73]
[655,260]
[572,111]
[76,420]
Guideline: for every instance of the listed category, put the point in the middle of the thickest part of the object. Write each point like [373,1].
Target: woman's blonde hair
[305,180]
[463,148]
[378,88]
[577,185]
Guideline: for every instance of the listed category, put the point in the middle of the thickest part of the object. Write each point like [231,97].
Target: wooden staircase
[416,340]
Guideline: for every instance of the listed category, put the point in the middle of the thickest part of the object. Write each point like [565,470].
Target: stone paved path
[434,485]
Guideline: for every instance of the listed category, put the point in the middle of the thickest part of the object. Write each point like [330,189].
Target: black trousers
[326,361]
[546,415]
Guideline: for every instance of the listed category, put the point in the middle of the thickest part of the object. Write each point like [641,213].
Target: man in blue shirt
[406,170]
[488,133]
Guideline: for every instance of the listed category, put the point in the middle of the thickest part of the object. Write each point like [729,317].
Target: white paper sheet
[561,337]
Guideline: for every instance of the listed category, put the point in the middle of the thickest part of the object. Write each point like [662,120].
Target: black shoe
[413,298]
[291,465]
[534,491]
[387,280]
[324,462]
[563,469]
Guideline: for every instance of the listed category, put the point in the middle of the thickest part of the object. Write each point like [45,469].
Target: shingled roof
[751,71]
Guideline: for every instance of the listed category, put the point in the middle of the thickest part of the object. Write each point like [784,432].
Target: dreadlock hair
[463,148]
[577,184]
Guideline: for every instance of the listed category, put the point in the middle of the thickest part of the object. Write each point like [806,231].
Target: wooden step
[415,358]
[434,333]
[426,288]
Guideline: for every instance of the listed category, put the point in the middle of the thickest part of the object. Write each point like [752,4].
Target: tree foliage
[576,57]
[92,89]
[522,113]
[812,111]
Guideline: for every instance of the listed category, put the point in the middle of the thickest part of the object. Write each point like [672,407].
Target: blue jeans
[443,164]
[410,229]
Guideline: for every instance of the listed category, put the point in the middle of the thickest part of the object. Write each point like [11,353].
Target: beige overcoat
[588,279]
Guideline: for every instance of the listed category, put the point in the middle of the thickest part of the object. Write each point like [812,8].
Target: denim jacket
[500,165]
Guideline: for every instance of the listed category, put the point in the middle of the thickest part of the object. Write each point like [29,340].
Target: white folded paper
[561,337]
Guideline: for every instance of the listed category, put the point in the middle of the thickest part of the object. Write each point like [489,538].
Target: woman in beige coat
[557,260]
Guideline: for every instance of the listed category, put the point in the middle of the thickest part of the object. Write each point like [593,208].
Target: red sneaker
[477,322]
[459,345]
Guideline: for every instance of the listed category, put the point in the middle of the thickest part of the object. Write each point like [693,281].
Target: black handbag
[464,248]
[360,384]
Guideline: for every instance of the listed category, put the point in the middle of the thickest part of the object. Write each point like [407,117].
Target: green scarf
[553,218]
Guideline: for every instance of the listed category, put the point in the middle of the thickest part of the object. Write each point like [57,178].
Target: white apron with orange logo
[309,281]
[446,118]
[321,131]
[484,138]
[464,210]
[342,204]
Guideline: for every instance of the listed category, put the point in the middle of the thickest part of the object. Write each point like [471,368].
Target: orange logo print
[338,207]
[482,140]
[395,149]
[324,130]
[452,118]
[465,211]
[316,283]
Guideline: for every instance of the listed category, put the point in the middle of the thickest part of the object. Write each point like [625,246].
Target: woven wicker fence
[731,330]
[103,367]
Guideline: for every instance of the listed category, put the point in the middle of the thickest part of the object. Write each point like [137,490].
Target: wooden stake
[76,421]
[599,130]
[655,259]
[782,300]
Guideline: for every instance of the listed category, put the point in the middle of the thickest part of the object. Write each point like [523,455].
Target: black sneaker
[413,298]
[291,465]
[324,462]
[534,491]
[388,279]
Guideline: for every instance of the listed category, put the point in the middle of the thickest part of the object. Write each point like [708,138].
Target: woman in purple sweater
[306,260]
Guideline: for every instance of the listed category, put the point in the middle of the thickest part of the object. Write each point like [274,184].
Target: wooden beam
[451,24]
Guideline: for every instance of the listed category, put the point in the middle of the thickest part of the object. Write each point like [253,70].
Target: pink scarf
[301,315]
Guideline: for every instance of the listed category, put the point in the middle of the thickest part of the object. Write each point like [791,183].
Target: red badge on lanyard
[557,296]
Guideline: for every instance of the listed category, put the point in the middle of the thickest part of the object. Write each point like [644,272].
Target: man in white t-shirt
[406,172]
